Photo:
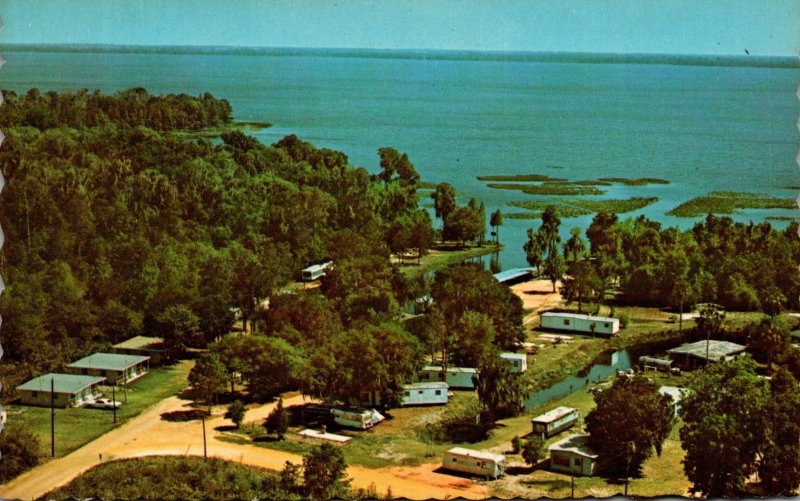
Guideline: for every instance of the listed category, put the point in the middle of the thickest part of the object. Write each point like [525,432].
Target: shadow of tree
[181,416]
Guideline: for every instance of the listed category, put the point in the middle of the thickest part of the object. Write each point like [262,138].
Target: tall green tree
[582,285]
[208,377]
[444,200]
[630,421]
[496,221]
[500,391]
[779,465]
[324,470]
[724,427]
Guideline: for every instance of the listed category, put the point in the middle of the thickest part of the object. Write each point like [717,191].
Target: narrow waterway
[610,362]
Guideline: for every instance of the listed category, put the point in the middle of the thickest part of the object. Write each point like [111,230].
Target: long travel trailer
[576,322]
[457,377]
[433,393]
[361,419]
[554,421]
[485,464]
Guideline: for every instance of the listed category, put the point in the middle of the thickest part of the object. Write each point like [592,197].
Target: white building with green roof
[116,367]
[69,390]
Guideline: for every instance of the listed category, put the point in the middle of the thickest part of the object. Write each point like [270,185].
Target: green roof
[139,342]
[63,383]
[108,361]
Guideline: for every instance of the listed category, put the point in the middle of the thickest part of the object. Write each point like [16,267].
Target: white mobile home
[518,361]
[361,419]
[485,464]
[554,421]
[583,324]
[573,455]
[456,377]
[315,271]
[434,393]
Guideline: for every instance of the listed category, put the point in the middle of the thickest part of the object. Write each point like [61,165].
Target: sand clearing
[148,435]
[537,295]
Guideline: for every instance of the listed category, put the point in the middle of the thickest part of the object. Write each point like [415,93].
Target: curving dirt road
[148,435]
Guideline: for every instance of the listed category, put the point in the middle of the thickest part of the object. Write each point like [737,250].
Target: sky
[724,27]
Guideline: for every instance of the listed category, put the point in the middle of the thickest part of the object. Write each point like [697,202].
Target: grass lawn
[75,427]
[660,475]
[443,256]
[393,442]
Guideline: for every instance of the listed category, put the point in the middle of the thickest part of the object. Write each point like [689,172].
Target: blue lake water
[703,128]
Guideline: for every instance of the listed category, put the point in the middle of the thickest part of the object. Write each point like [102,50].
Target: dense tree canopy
[116,225]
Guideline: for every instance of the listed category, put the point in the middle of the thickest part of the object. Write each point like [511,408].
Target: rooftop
[438,368]
[513,356]
[716,349]
[561,314]
[108,361]
[139,342]
[578,444]
[477,454]
[674,392]
[433,385]
[62,383]
[512,274]
[554,414]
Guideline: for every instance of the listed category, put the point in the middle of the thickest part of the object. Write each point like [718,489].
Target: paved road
[148,434]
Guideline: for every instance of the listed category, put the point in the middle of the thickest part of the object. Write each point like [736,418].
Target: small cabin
[67,390]
[573,455]
[485,464]
[117,368]
[361,419]
[518,361]
[691,356]
[433,393]
[456,377]
[314,272]
[554,421]
[147,346]
[579,323]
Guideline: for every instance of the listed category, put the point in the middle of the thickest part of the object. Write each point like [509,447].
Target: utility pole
[205,450]
[572,483]
[114,401]
[52,417]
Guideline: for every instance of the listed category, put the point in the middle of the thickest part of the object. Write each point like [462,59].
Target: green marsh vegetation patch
[577,208]
[729,202]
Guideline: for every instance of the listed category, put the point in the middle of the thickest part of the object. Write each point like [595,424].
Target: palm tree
[711,318]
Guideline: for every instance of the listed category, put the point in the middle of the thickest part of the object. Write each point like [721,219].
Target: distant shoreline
[428,54]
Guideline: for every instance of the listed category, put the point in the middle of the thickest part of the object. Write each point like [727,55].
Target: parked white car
[104,403]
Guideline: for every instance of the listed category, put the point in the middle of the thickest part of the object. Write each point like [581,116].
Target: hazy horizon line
[423,53]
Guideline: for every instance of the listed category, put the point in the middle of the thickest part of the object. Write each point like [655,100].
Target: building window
[608,324]
[85,371]
[408,393]
[577,461]
[419,392]
[566,321]
[438,392]
[560,460]
[34,394]
[455,460]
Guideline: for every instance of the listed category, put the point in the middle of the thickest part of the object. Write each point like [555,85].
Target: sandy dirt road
[148,435]
[537,295]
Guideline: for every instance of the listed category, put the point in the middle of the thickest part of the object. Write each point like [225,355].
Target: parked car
[104,403]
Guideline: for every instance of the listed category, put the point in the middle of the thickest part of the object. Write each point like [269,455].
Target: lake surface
[704,128]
